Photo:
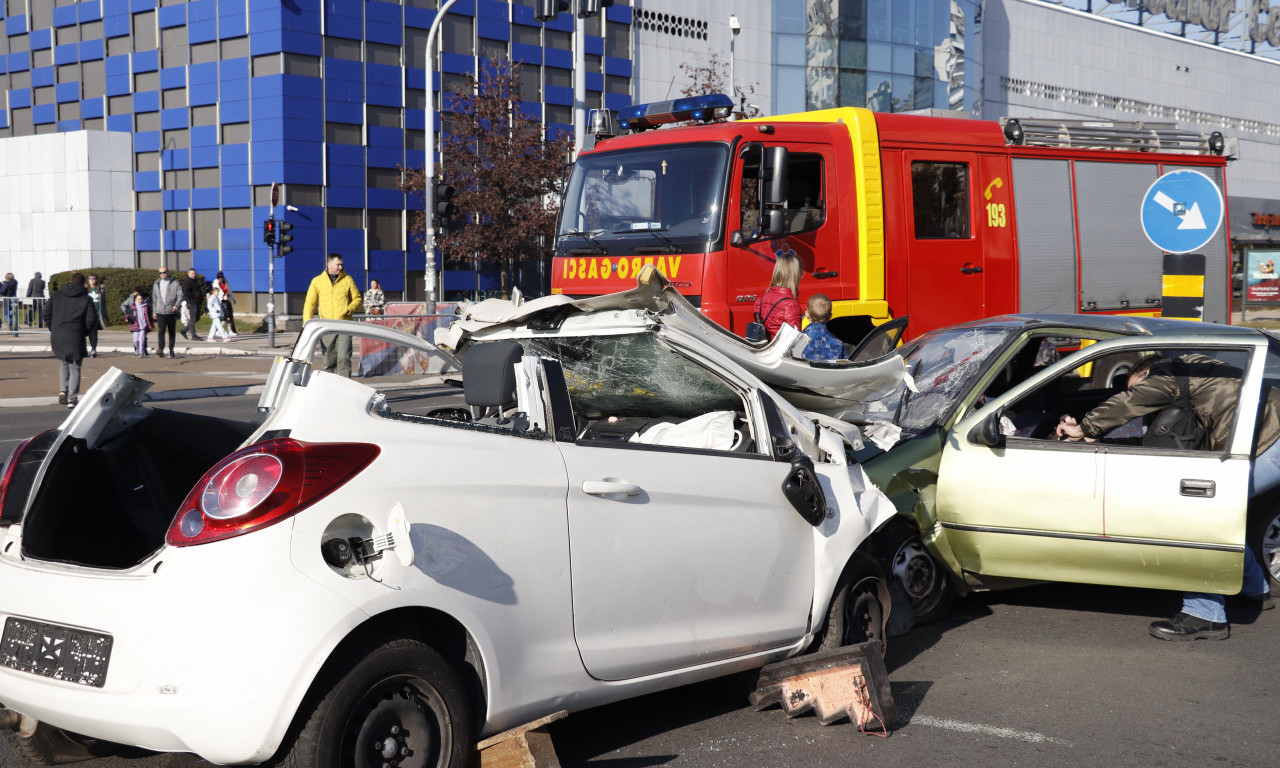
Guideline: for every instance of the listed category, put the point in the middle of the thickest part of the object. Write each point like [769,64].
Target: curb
[182,351]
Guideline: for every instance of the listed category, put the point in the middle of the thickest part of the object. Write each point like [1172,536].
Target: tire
[859,610]
[49,746]
[397,703]
[901,553]
[1266,543]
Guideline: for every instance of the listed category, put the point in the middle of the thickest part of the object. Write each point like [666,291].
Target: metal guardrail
[18,312]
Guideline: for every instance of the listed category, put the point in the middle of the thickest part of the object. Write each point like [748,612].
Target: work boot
[1184,626]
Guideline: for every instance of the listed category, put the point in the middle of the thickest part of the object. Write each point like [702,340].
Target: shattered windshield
[677,191]
[944,364]
[633,375]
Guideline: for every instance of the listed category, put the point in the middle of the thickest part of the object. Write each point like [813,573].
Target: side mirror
[775,175]
[802,489]
[772,223]
[987,432]
[783,448]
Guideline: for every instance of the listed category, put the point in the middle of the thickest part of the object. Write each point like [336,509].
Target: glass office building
[223,98]
[888,55]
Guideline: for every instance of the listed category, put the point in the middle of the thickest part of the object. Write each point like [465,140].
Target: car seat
[489,380]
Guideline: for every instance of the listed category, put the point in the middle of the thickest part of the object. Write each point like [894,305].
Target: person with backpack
[1193,402]
[780,304]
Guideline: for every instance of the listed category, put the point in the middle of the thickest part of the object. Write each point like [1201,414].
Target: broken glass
[633,375]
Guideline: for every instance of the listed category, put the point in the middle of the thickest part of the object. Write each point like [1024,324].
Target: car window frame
[1250,384]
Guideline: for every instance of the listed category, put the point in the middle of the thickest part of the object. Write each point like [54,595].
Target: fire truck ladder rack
[1101,134]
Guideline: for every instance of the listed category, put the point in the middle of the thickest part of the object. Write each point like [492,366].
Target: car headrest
[488,373]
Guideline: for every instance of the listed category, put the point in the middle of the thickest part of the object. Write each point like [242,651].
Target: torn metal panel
[830,387]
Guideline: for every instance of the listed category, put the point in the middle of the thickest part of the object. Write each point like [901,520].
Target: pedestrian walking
[166,298]
[9,298]
[214,303]
[228,302]
[70,315]
[333,295]
[137,313]
[97,294]
[35,292]
[193,294]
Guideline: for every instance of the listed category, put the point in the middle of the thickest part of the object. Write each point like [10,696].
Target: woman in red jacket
[780,304]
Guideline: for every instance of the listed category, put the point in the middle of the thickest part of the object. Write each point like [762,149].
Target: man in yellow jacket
[333,295]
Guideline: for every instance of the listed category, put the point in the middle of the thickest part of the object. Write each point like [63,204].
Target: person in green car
[1212,387]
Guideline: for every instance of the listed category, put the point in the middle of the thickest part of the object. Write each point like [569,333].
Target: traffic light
[285,237]
[549,9]
[269,231]
[588,8]
[445,207]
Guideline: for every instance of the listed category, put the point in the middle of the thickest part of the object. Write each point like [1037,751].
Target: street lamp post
[429,168]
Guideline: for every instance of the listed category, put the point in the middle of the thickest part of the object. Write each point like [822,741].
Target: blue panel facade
[236,95]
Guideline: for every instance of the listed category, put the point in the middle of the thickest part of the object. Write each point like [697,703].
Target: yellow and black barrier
[1183,286]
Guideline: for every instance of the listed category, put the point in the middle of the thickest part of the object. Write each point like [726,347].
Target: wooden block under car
[844,682]
[525,746]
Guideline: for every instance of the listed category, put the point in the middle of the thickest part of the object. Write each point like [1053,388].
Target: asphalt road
[1057,675]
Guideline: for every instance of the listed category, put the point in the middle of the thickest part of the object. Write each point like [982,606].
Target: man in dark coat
[193,294]
[35,291]
[9,298]
[70,315]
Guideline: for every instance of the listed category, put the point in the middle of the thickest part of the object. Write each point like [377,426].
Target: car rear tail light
[263,484]
[8,472]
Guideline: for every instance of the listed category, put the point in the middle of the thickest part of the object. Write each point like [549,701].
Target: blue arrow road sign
[1182,211]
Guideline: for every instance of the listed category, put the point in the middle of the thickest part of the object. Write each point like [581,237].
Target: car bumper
[196,663]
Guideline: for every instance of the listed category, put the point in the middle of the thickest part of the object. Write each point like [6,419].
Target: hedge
[117,283]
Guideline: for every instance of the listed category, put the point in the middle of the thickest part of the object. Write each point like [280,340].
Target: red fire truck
[938,218]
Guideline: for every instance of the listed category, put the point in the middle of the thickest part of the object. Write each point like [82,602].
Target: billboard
[1261,280]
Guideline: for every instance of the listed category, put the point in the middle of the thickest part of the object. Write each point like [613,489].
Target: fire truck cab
[942,219]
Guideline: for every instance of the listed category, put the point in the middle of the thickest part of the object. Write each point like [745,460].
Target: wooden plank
[526,746]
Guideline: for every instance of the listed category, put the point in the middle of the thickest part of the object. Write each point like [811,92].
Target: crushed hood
[832,388]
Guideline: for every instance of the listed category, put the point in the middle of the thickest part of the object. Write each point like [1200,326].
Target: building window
[458,35]
[377,53]
[341,48]
[386,230]
[235,48]
[383,117]
[204,53]
[146,81]
[342,133]
[237,218]
[383,178]
[269,64]
[301,64]
[144,31]
[174,97]
[236,133]
[204,115]
[344,218]
[207,228]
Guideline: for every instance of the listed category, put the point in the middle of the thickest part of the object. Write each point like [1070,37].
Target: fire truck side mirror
[775,176]
[773,222]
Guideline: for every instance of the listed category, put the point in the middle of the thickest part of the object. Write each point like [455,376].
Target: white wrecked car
[373,578]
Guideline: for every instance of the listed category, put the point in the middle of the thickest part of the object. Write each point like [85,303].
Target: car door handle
[1204,489]
[969,269]
[825,274]
[607,487]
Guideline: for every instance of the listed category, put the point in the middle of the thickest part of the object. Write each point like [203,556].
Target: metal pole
[271,273]
[579,83]
[429,168]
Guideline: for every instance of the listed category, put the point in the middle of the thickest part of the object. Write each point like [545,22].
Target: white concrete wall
[658,55]
[66,202]
[1162,78]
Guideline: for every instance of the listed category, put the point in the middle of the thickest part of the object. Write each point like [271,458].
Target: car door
[679,554]
[1101,512]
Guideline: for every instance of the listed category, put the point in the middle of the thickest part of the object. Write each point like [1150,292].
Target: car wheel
[901,553]
[859,609]
[1269,546]
[48,746]
[396,704]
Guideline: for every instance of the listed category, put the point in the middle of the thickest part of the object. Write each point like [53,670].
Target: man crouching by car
[1155,384]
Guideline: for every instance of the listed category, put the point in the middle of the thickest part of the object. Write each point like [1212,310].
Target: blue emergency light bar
[711,106]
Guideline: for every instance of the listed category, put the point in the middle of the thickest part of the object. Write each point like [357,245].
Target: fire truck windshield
[677,191]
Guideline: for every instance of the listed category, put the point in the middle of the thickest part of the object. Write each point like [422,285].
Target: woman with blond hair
[780,304]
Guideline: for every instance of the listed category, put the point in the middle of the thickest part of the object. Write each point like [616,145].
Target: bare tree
[712,76]
[508,175]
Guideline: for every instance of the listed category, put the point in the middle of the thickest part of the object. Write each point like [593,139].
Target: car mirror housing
[987,432]
[802,489]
